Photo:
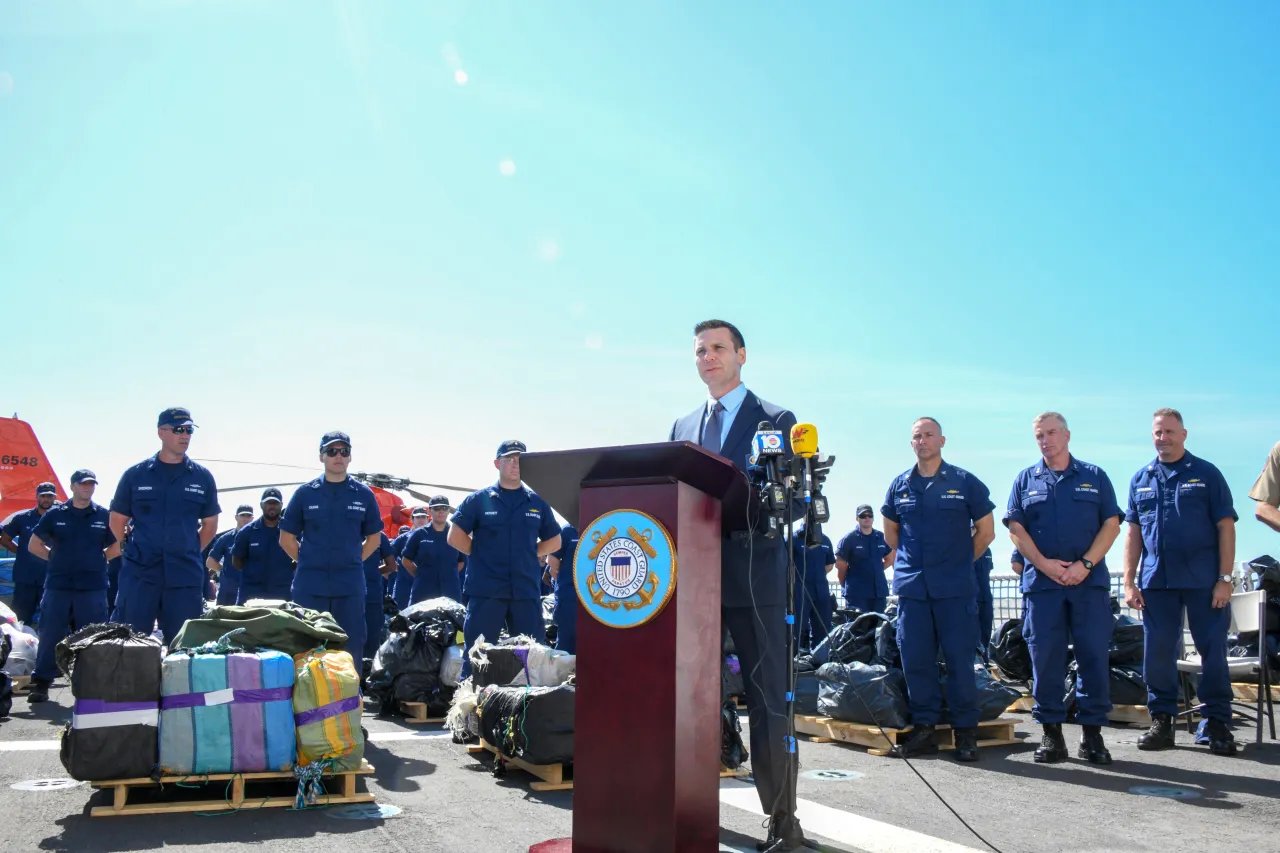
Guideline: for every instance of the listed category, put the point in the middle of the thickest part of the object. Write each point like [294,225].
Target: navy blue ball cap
[511,446]
[864,509]
[244,509]
[83,475]
[334,437]
[272,494]
[439,501]
[419,510]
[47,489]
[404,528]
[176,416]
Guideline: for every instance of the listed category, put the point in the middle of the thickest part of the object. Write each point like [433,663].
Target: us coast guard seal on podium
[625,568]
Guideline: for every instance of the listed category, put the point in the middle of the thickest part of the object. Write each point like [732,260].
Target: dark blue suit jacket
[754,564]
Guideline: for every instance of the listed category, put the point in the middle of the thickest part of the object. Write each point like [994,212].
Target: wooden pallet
[21,684]
[1243,693]
[827,730]
[234,798]
[551,777]
[1022,704]
[1137,715]
[416,713]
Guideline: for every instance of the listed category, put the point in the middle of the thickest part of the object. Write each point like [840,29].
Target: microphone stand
[789,784]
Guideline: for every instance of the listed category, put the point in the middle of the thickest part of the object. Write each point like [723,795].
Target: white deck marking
[28,745]
[860,833]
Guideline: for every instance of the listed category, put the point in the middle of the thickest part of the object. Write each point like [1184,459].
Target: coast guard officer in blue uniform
[927,514]
[506,530]
[753,570]
[565,610]
[1063,517]
[377,566]
[336,518]
[220,561]
[1178,556]
[28,571]
[436,566]
[861,559]
[266,571]
[173,502]
[813,595]
[402,587]
[75,538]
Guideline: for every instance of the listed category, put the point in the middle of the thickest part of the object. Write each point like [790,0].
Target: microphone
[804,443]
[804,440]
[767,443]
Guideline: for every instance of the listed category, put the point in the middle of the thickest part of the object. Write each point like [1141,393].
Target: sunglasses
[868,515]
[183,430]
[337,451]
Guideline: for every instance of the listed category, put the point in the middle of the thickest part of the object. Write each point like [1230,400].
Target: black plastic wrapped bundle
[531,723]
[115,679]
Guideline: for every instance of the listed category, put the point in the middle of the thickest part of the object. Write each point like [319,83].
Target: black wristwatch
[1088,564]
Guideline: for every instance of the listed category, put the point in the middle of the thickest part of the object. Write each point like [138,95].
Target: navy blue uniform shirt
[505,527]
[263,563]
[27,568]
[1062,512]
[76,540]
[332,521]
[935,545]
[373,567]
[864,554]
[437,564]
[812,562]
[166,502]
[1179,507]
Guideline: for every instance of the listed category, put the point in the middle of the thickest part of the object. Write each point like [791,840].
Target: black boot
[967,744]
[38,691]
[1053,747]
[784,835]
[919,743]
[1221,741]
[1092,747]
[1159,736]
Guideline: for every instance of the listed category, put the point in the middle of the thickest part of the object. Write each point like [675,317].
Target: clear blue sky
[291,217]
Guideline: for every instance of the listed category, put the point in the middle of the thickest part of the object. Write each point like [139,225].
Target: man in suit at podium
[753,572]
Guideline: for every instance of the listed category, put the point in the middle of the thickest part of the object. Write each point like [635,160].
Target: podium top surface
[557,475]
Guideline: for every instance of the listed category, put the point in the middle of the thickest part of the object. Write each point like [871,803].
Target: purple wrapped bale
[227,713]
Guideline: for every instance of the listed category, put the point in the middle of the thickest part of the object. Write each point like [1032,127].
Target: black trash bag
[1126,642]
[1115,604]
[806,663]
[6,694]
[110,663]
[1010,653]
[1127,686]
[887,652]
[806,692]
[549,626]
[407,667]
[862,693]
[531,723]
[1268,569]
[444,615]
[852,641]
[1245,645]
[994,698]
[733,752]
[6,646]
[731,682]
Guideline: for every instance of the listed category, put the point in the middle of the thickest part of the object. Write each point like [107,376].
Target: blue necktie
[715,425]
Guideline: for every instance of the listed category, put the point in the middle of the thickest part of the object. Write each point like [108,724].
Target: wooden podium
[647,718]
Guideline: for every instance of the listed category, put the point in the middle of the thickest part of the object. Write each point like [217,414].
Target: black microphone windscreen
[764,426]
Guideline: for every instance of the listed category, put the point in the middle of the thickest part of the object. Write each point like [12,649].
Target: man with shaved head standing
[937,517]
